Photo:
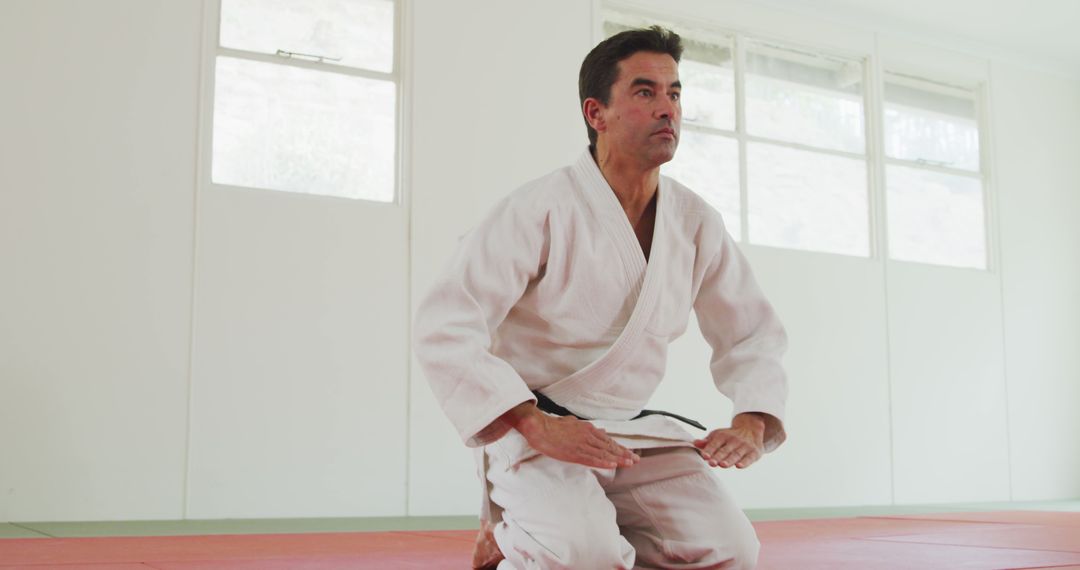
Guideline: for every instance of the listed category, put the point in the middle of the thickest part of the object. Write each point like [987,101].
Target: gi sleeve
[455,323]
[747,339]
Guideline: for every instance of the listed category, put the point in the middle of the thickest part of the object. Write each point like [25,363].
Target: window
[787,167]
[774,137]
[305,97]
[933,189]
[806,151]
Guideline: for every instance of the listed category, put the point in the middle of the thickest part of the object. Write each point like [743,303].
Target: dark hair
[600,69]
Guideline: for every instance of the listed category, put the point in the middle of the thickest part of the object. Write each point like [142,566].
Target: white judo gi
[552,292]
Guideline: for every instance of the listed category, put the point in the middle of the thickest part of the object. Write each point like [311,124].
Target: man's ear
[594,114]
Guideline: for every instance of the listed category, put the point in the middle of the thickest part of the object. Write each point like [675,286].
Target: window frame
[979,93]
[742,42]
[875,67]
[212,50]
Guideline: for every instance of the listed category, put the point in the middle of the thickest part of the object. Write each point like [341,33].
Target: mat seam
[954,521]
[885,539]
[424,534]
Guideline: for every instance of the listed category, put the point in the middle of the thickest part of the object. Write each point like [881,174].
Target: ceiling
[1042,33]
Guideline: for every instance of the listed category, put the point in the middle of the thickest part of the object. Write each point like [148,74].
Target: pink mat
[1045,518]
[930,541]
[955,540]
[1004,536]
[860,554]
[263,547]
[79,567]
[859,527]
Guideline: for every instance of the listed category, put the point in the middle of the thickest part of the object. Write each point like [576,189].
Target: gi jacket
[552,292]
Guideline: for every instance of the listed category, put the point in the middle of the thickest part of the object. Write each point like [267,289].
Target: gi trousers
[667,511]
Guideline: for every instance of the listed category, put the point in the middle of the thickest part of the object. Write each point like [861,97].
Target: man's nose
[667,109]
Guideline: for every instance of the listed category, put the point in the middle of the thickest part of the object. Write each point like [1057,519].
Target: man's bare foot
[486,553]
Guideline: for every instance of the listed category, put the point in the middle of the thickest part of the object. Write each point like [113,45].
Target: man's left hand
[740,445]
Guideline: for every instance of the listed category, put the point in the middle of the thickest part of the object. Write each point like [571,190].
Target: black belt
[548,405]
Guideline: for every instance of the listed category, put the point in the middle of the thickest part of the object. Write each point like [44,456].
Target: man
[548,333]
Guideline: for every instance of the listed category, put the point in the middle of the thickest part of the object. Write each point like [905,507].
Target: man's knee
[745,551]
[577,542]
[713,538]
[734,551]
[595,550]
[739,544]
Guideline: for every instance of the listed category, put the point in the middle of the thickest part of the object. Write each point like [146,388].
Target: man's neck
[634,185]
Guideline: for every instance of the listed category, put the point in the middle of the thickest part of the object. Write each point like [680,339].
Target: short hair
[600,69]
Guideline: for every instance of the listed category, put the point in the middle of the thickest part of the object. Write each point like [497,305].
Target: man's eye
[676,96]
[645,93]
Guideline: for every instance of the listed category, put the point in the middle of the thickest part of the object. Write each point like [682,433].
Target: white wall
[171,350]
[1038,142]
[97,155]
[300,350]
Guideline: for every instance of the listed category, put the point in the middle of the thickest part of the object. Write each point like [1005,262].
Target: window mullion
[933,167]
[740,134]
[400,103]
[304,64]
[991,228]
[875,148]
[806,147]
[710,130]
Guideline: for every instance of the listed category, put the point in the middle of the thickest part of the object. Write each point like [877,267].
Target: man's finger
[712,455]
[604,442]
[599,436]
[618,448]
[749,460]
[706,445]
[733,456]
[619,453]
[594,461]
[603,458]
[714,447]
[596,440]
[724,451]
[709,450]
[615,448]
[593,456]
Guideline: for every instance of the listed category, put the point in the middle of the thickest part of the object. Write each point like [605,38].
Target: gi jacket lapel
[606,209]
[646,280]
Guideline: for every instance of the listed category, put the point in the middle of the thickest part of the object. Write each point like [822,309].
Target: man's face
[643,115]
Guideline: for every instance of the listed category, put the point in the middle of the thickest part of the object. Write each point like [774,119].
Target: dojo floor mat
[981,540]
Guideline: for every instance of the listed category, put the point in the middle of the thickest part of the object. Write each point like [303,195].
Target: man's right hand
[568,438]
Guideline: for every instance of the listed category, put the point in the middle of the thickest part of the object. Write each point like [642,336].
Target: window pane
[708,79]
[709,165]
[934,124]
[804,98]
[284,128]
[807,200]
[935,217]
[360,32]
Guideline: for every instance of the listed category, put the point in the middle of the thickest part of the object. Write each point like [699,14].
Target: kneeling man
[548,332]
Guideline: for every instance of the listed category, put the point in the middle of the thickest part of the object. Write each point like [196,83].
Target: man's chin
[663,155]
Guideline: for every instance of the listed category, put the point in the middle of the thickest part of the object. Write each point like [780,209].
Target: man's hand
[740,445]
[568,438]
